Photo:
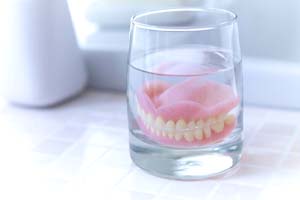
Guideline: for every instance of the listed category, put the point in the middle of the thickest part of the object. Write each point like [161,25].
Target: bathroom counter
[79,150]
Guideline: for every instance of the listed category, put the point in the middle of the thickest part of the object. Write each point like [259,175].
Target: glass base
[186,164]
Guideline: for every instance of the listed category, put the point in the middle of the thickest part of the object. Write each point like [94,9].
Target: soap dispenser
[40,62]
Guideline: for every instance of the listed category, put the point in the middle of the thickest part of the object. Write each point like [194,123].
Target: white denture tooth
[191,126]
[149,121]
[159,124]
[198,134]
[221,117]
[206,128]
[178,136]
[218,126]
[180,126]
[170,126]
[188,137]
[200,124]
[229,119]
[207,131]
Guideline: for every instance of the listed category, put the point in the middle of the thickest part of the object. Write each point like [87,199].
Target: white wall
[268,28]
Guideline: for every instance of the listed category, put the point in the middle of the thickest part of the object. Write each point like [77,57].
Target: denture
[193,112]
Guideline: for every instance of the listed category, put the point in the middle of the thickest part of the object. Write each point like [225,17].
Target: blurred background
[269,33]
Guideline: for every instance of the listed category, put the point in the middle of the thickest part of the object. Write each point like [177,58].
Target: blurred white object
[40,63]
[117,13]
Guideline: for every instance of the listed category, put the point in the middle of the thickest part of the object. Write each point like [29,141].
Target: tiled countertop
[79,150]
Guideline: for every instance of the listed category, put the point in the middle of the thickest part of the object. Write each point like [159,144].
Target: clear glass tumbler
[184,93]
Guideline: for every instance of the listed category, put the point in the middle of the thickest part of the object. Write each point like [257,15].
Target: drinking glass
[184,93]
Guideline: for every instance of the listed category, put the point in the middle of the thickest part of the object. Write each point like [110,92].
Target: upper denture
[192,99]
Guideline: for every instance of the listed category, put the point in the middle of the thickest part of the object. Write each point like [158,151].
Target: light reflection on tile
[251,176]
[190,190]
[262,157]
[53,147]
[138,180]
[227,191]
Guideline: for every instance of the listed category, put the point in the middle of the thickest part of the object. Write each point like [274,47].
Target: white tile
[139,180]
[291,162]
[86,153]
[286,177]
[164,197]
[102,177]
[130,195]
[284,116]
[190,190]
[70,133]
[105,136]
[227,191]
[278,128]
[261,157]
[116,158]
[281,191]
[54,147]
[271,142]
[251,176]
[296,145]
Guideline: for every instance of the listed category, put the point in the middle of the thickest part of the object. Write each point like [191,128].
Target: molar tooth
[206,128]
[207,131]
[218,126]
[200,123]
[189,137]
[199,130]
[221,117]
[180,126]
[199,134]
[229,119]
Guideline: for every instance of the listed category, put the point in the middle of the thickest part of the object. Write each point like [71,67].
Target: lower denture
[193,112]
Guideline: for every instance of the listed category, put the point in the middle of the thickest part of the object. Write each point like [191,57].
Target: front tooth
[191,126]
[189,135]
[229,119]
[180,126]
[170,128]
[159,124]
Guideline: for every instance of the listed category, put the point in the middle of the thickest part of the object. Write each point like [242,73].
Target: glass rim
[146,26]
